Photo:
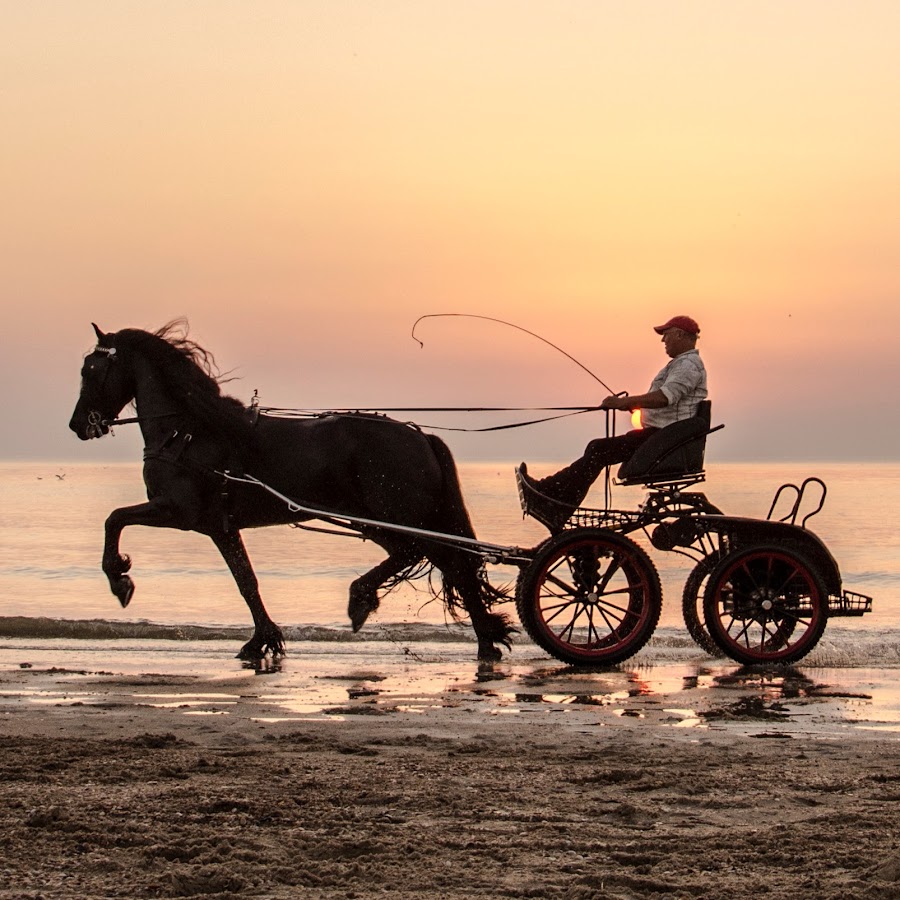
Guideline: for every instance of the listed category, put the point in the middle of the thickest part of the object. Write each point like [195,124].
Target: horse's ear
[98,332]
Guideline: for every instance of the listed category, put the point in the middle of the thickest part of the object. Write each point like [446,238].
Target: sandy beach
[420,774]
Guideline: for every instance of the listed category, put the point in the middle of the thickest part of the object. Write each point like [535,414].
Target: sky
[302,180]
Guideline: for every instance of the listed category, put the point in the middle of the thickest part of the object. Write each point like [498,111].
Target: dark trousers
[571,484]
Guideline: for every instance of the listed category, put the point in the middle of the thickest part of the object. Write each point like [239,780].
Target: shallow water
[328,681]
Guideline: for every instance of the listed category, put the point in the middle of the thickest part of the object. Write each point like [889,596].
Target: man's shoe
[552,514]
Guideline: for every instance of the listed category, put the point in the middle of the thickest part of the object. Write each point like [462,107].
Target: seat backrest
[675,450]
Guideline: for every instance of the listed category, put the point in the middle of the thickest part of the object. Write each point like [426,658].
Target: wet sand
[364,771]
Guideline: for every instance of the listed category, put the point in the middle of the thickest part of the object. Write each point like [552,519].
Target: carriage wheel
[692,603]
[589,597]
[765,604]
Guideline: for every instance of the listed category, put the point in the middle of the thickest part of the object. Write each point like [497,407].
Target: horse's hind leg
[364,591]
[267,635]
[466,582]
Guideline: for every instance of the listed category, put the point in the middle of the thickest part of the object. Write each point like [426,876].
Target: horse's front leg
[267,636]
[156,513]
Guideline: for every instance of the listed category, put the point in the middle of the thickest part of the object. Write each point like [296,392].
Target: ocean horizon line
[510,461]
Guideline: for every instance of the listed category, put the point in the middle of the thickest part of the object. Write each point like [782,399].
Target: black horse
[362,466]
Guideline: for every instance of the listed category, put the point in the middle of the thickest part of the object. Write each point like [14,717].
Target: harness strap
[173,450]
[174,454]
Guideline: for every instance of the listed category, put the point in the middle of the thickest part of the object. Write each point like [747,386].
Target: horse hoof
[489,654]
[359,611]
[258,648]
[123,588]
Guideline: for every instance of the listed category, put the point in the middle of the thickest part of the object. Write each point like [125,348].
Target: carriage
[760,591]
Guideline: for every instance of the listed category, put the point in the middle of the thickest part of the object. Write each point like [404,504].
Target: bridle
[96,422]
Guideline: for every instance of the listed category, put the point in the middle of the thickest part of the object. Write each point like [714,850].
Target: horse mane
[189,372]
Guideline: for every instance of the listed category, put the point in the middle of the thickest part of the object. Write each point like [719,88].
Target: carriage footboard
[849,604]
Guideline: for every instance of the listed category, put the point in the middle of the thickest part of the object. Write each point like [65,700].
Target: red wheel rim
[768,606]
[592,599]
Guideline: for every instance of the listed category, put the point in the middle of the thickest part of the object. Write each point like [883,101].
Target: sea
[53,593]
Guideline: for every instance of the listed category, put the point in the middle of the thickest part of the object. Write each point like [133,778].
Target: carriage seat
[674,452]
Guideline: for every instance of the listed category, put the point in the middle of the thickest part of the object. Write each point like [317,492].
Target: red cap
[685,323]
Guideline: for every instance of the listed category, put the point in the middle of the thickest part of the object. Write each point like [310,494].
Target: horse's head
[107,385]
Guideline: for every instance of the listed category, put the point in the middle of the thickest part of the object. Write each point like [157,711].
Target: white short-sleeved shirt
[683,381]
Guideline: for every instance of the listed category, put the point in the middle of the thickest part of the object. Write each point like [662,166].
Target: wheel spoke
[742,633]
[611,569]
[630,590]
[593,636]
[764,634]
[612,608]
[796,616]
[567,631]
[609,611]
[749,572]
[609,619]
[570,627]
[552,576]
[561,608]
[780,590]
[562,585]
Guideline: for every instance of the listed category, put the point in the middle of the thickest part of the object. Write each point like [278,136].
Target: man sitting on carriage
[674,395]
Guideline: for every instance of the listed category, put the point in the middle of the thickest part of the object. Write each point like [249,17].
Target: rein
[564,412]
[280,412]
[135,420]
[255,409]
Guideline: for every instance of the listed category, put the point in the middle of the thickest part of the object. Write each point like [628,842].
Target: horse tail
[453,511]
[465,582]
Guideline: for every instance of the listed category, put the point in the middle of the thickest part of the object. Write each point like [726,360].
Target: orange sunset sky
[302,180]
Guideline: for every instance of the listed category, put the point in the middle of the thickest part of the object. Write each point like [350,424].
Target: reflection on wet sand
[702,696]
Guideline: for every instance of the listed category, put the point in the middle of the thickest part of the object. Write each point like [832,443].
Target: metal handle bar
[491,552]
[792,514]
